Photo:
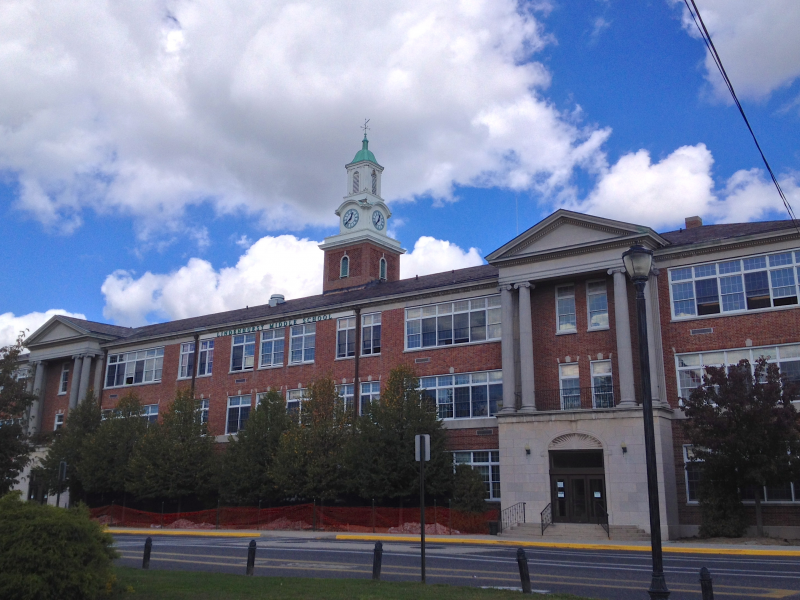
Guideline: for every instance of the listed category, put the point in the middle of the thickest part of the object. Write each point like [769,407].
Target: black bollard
[524,574]
[706,586]
[148,546]
[251,557]
[377,559]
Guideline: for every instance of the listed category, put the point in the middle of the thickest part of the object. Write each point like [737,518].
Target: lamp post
[638,262]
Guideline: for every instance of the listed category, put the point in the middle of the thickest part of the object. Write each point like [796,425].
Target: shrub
[469,490]
[49,553]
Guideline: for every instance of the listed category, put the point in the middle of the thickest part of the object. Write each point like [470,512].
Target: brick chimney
[692,222]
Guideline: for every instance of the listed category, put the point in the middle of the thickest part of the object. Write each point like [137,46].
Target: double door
[577,498]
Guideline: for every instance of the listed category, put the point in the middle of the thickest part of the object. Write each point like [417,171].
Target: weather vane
[365,127]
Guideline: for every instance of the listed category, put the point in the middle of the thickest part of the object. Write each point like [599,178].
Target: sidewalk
[683,547]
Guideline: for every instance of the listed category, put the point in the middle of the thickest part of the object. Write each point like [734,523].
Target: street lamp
[638,262]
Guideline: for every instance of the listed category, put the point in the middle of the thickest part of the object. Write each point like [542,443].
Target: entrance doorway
[577,485]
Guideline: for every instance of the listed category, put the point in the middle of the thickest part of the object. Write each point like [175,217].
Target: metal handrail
[512,516]
[547,517]
[602,516]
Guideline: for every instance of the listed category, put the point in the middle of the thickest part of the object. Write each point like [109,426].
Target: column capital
[77,356]
[506,287]
[523,284]
[616,270]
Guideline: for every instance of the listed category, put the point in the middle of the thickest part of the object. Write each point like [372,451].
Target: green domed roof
[364,153]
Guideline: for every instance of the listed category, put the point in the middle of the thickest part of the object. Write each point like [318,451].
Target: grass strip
[185,585]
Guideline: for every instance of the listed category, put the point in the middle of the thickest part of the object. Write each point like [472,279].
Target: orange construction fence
[438,520]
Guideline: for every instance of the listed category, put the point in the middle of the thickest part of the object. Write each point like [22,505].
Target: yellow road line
[185,532]
[570,545]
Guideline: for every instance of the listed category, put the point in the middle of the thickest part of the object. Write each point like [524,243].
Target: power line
[701,27]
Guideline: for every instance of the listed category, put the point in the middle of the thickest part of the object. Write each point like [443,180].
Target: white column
[35,421]
[99,371]
[623,331]
[76,377]
[507,349]
[652,345]
[526,347]
[84,383]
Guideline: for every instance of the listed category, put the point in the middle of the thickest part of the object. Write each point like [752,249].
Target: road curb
[568,545]
[181,532]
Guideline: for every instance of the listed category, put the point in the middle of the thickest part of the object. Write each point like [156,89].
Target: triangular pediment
[55,330]
[566,230]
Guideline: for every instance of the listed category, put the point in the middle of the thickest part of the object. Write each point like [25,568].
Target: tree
[745,434]
[14,401]
[68,445]
[469,490]
[175,459]
[382,452]
[311,456]
[247,474]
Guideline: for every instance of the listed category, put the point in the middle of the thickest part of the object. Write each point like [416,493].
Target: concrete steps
[578,532]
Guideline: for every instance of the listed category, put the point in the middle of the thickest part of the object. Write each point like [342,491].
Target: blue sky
[176,162]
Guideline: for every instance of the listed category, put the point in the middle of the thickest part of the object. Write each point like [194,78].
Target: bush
[469,490]
[49,553]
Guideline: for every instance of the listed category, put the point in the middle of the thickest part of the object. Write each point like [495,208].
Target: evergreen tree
[14,401]
[469,490]
[745,434]
[382,453]
[247,464]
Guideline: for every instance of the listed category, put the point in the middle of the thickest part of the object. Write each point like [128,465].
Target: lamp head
[638,262]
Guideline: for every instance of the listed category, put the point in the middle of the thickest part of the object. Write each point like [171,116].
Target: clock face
[350,218]
[377,220]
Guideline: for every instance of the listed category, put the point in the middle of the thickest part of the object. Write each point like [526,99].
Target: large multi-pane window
[243,352]
[450,323]
[130,368]
[570,385]
[186,364]
[64,381]
[732,286]
[691,367]
[487,463]
[371,334]
[345,337]
[202,410]
[370,392]
[602,385]
[272,347]
[302,340]
[597,304]
[150,413]
[238,412]
[465,395]
[294,399]
[205,360]
[565,309]
[345,391]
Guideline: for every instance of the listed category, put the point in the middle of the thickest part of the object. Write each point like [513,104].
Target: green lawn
[184,585]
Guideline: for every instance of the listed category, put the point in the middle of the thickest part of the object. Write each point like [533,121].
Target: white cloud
[283,265]
[146,108]
[758,43]
[11,325]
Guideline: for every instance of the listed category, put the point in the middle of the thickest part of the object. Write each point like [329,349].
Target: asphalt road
[618,575]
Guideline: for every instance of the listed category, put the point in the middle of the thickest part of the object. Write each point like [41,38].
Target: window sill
[369,355]
[65,393]
[300,364]
[739,313]
[572,331]
[429,348]
[240,372]
[203,376]
[269,367]
[599,329]
[130,385]
[344,358]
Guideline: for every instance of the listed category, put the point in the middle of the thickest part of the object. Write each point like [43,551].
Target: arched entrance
[577,478]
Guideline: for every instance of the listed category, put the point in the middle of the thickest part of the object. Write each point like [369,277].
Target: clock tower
[362,251]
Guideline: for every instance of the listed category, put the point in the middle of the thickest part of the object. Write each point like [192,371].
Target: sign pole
[422,514]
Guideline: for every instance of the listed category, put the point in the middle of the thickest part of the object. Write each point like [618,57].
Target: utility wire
[701,26]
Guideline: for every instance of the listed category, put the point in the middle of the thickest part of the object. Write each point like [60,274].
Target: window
[205,360]
[465,395]
[346,393]
[150,413]
[691,367]
[303,338]
[692,469]
[293,400]
[344,267]
[736,285]
[597,304]
[570,386]
[487,463]
[370,392]
[565,309]
[374,182]
[371,334]
[356,184]
[59,422]
[202,410]
[130,368]
[346,337]
[272,347]
[383,269]
[186,360]
[450,323]
[602,386]
[238,411]
[64,381]
[243,352]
